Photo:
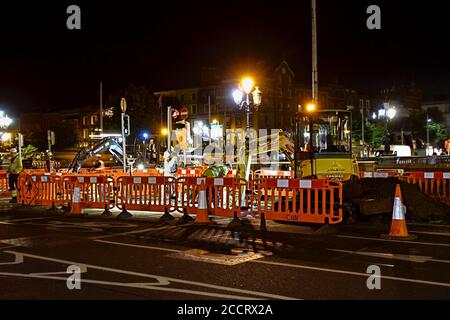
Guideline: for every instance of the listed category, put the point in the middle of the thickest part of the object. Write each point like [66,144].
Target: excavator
[321,148]
[110,144]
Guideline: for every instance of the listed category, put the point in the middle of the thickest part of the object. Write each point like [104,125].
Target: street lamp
[428,131]
[241,97]
[388,114]
[391,112]
[244,102]
[5,121]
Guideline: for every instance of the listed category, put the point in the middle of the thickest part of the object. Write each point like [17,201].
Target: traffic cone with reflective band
[398,224]
[76,207]
[202,210]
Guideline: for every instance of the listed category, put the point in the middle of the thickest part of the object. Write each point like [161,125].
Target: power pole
[209,117]
[315,80]
[363,120]
[169,127]
[101,107]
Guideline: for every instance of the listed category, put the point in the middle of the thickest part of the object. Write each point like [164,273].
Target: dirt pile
[420,207]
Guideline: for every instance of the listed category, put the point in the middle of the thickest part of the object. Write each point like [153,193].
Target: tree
[374,133]
[142,108]
[437,128]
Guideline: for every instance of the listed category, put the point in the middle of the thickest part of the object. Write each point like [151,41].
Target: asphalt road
[142,258]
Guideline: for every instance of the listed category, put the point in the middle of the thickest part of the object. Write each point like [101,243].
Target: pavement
[143,258]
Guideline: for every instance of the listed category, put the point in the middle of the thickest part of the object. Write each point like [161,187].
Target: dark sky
[164,44]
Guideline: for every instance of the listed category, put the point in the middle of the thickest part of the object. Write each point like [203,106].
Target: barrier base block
[388,237]
[185,218]
[166,216]
[124,214]
[106,212]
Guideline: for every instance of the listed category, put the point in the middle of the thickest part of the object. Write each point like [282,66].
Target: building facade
[73,128]
[281,98]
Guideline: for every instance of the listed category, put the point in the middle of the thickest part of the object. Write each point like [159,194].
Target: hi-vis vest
[216,170]
[16,165]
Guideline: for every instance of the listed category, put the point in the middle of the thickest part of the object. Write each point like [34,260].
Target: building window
[93,119]
[193,97]
[85,120]
[85,133]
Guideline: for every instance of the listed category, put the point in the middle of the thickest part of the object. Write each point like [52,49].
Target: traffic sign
[184,113]
[175,113]
[123,105]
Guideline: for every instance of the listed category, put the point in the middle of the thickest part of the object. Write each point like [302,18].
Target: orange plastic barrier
[223,195]
[191,172]
[315,201]
[40,189]
[433,184]
[146,193]
[4,186]
[379,174]
[267,173]
[92,191]
[297,200]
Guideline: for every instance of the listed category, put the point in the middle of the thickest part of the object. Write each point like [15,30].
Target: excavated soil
[420,207]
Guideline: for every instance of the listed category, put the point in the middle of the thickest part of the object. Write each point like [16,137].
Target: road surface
[142,258]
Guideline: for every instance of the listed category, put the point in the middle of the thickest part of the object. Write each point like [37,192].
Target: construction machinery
[321,148]
[109,144]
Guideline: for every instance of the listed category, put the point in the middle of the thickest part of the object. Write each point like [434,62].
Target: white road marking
[126,233]
[402,257]
[40,218]
[433,283]
[399,241]
[447,234]
[428,224]
[163,279]
[137,246]
[18,259]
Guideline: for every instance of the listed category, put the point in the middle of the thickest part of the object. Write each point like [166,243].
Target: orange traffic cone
[202,210]
[398,224]
[76,207]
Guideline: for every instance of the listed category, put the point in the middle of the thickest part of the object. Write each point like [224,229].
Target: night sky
[164,44]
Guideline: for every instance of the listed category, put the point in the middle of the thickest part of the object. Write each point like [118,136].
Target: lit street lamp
[245,103]
[428,132]
[5,121]
[246,88]
[387,114]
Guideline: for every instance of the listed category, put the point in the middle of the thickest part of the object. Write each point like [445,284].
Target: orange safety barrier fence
[93,191]
[4,185]
[433,184]
[267,173]
[223,195]
[190,172]
[40,189]
[146,193]
[379,174]
[315,201]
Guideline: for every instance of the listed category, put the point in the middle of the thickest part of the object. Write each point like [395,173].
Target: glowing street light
[164,131]
[237,96]
[310,107]
[5,121]
[391,112]
[247,85]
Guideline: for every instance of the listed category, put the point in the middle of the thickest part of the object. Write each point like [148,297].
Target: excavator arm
[107,144]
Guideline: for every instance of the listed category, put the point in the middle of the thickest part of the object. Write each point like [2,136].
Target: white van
[401,150]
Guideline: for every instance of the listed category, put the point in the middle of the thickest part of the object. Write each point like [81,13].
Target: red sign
[175,113]
[184,113]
